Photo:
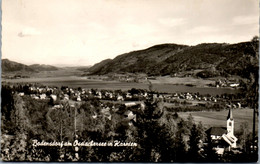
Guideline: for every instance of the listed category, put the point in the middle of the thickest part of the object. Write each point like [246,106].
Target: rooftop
[218,131]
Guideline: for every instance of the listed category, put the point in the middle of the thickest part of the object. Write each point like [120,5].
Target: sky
[85,32]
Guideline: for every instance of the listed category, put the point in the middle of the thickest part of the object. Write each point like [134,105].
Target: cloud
[245,20]
[104,29]
[29,31]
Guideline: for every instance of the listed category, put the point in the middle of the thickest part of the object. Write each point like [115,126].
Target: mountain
[9,66]
[43,67]
[137,61]
[212,59]
[99,65]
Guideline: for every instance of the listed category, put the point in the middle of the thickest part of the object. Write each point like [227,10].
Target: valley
[166,92]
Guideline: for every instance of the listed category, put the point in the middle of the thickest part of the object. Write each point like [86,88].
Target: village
[110,101]
[130,97]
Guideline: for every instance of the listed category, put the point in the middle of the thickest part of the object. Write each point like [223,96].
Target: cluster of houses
[67,93]
[37,92]
[128,114]
[189,96]
[17,76]
[128,78]
[226,83]
[79,94]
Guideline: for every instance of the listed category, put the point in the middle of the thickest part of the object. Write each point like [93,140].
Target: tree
[180,142]
[254,44]
[15,149]
[7,108]
[190,122]
[244,137]
[150,134]
[195,140]
[209,153]
[253,86]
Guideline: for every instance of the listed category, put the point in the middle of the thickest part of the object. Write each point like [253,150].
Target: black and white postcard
[129,81]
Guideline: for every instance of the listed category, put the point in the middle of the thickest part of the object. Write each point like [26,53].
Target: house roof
[218,131]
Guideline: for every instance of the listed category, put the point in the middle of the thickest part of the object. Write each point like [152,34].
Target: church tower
[230,123]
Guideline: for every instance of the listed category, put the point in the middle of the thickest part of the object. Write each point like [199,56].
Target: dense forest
[155,135]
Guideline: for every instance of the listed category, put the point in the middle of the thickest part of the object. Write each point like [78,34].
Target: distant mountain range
[212,59]
[43,67]
[11,66]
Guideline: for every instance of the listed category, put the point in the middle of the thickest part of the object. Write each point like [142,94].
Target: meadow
[218,118]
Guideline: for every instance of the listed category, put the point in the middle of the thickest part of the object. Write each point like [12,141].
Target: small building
[21,94]
[120,98]
[34,96]
[129,104]
[216,132]
[234,85]
[43,96]
[130,115]
[78,98]
[54,97]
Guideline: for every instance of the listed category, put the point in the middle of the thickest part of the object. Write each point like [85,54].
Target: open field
[218,119]
[84,82]
[183,80]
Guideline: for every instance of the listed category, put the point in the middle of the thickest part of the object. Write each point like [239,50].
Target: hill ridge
[213,59]
[12,66]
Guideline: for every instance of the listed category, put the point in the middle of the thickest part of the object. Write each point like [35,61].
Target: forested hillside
[213,59]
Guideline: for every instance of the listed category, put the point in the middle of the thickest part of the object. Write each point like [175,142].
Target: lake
[83,82]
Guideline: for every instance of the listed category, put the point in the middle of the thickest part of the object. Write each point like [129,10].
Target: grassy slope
[218,119]
[185,80]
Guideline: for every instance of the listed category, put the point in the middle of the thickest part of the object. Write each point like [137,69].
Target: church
[223,138]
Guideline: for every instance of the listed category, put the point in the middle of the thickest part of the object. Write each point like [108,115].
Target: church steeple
[230,123]
[230,115]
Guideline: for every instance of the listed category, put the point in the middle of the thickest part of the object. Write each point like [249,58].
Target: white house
[128,104]
[119,97]
[21,94]
[54,97]
[234,85]
[78,98]
[43,96]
